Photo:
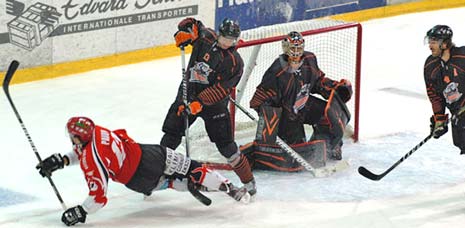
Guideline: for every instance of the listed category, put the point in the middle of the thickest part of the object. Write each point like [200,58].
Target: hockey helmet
[229,29]
[293,46]
[81,127]
[441,33]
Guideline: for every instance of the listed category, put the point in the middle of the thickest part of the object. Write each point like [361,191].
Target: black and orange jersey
[212,71]
[445,81]
[280,86]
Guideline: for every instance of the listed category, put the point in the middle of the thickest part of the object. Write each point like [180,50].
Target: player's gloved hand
[344,90]
[188,32]
[194,108]
[74,215]
[439,125]
[50,164]
[181,109]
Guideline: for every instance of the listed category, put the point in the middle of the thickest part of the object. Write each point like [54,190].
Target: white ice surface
[427,190]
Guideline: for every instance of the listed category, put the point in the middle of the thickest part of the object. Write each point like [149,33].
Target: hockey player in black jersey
[214,68]
[444,74]
[285,93]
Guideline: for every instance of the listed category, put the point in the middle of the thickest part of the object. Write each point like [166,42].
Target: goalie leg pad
[268,124]
[334,122]
[273,157]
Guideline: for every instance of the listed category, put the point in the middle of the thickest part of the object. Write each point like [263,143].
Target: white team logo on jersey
[200,72]
[451,92]
[301,98]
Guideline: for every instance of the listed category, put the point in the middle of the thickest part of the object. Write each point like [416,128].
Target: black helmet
[229,28]
[442,32]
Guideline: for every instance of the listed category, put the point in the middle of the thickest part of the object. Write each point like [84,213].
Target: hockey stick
[184,98]
[281,143]
[6,82]
[191,187]
[375,177]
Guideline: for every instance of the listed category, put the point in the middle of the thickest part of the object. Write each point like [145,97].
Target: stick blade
[9,74]
[368,174]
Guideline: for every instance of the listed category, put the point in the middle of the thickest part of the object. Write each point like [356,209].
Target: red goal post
[336,44]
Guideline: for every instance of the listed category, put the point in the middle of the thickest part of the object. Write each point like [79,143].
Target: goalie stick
[6,82]
[281,143]
[375,177]
[191,186]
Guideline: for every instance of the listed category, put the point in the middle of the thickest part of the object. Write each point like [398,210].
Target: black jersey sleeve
[227,74]
[268,88]
[431,68]
[323,85]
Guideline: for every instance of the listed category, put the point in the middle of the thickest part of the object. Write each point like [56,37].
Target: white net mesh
[335,48]
[336,51]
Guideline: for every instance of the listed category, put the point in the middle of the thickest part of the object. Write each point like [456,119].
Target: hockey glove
[74,215]
[439,125]
[344,90]
[193,108]
[188,32]
[50,164]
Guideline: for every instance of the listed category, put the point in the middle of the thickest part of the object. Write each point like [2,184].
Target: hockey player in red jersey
[286,89]
[214,68]
[103,154]
[444,75]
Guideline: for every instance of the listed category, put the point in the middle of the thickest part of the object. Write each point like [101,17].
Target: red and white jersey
[110,154]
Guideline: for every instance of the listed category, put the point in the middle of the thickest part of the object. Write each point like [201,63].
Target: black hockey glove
[439,125]
[344,90]
[50,164]
[74,215]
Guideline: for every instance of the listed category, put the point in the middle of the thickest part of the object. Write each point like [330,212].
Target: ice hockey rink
[426,190]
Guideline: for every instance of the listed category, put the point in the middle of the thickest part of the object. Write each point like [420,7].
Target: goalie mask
[293,46]
[81,127]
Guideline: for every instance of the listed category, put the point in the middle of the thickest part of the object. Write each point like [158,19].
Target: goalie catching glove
[344,90]
[193,108]
[188,32]
[439,125]
[50,164]
[74,215]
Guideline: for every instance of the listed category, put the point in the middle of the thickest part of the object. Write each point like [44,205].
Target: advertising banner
[44,32]
[256,13]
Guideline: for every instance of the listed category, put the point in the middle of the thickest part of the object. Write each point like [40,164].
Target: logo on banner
[32,25]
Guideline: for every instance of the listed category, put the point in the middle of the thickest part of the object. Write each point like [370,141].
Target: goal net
[336,44]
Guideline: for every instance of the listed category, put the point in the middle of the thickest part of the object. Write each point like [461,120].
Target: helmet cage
[293,46]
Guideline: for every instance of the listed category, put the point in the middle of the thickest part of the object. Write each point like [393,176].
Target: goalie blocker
[265,154]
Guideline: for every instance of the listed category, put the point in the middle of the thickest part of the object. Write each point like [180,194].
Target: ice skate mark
[403,92]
